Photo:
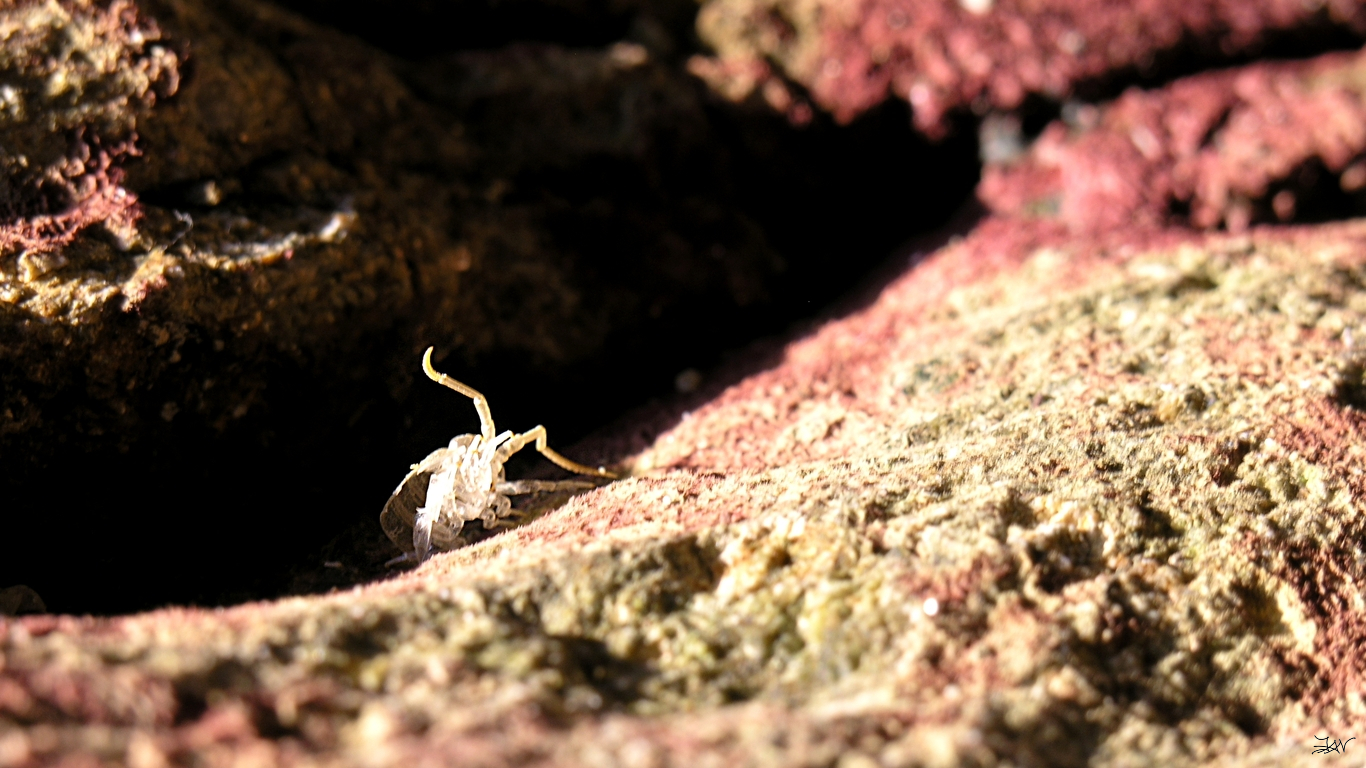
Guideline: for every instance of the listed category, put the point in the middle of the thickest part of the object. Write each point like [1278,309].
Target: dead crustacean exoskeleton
[465,481]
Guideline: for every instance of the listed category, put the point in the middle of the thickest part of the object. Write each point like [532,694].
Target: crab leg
[537,434]
[516,487]
[481,403]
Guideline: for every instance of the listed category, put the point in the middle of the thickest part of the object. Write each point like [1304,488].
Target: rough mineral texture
[942,55]
[1083,484]
[1264,142]
[1105,519]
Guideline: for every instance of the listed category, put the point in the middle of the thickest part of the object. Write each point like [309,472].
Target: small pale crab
[464,482]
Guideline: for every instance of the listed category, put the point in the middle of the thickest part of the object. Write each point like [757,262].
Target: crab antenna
[481,403]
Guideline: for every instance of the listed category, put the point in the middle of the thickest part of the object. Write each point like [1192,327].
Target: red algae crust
[1221,149]
[1093,515]
[946,55]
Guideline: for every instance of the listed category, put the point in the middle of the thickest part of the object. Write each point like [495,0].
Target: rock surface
[1081,486]
[945,55]
[1264,142]
[994,516]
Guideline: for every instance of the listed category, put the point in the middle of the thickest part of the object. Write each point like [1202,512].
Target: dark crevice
[1192,56]
[1228,457]
[415,29]
[1349,385]
[1307,194]
[1310,194]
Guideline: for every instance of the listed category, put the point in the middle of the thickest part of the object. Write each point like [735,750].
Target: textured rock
[943,55]
[992,516]
[1264,142]
[1081,487]
[74,89]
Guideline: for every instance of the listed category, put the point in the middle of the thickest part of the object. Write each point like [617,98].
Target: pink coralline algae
[1205,151]
[67,142]
[941,55]
[97,196]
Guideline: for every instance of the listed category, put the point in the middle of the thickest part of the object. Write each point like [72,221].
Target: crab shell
[452,486]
